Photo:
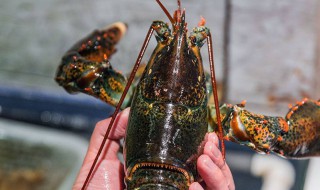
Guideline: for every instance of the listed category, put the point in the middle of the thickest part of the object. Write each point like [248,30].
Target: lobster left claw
[296,136]
[86,67]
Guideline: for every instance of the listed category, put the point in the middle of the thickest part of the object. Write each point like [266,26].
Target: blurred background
[266,52]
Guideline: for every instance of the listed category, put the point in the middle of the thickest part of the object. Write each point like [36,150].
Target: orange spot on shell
[289,114]
[88,90]
[284,125]
[264,122]
[257,128]
[294,108]
[243,102]
[202,21]
[83,46]
[279,139]
[302,102]
[266,146]
[72,65]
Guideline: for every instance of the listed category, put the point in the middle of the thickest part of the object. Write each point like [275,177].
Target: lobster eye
[193,40]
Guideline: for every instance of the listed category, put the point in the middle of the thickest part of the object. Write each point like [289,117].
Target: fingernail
[212,137]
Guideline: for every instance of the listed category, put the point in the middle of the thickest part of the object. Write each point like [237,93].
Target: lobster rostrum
[170,112]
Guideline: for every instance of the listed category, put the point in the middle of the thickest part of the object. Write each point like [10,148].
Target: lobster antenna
[215,95]
[166,11]
[110,126]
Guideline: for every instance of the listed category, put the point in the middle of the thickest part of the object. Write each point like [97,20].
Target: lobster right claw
[296,136]
[303,136]
[86,67]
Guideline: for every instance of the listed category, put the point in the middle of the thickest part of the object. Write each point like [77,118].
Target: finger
[215,155]
[227,172]
[117,132]
[213,137]
[112,146]
[195,186]
[108,175]
[119,126]
[211,173]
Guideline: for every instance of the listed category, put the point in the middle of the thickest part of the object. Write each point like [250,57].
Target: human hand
[109,173]
[212,168]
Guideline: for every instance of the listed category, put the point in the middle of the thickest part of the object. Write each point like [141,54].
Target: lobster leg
[295,136]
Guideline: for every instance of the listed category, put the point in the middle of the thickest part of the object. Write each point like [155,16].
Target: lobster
[170,109]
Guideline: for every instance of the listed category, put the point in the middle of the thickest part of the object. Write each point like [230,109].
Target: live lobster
[170,113]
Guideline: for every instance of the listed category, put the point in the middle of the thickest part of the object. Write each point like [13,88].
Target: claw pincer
[86,67]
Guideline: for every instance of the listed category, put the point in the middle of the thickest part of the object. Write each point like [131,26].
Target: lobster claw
[302,137]
[86,67]
[295,136]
